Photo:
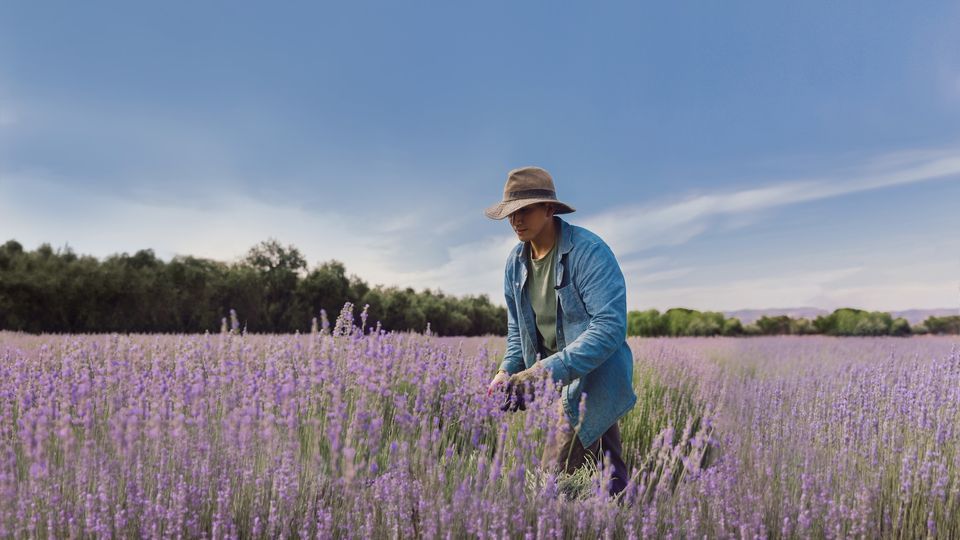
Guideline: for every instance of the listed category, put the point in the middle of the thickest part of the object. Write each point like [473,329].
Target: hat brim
[504,208]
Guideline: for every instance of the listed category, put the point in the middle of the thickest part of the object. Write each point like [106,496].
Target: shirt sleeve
[513,356]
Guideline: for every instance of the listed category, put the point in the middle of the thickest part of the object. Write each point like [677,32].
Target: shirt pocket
[573,312]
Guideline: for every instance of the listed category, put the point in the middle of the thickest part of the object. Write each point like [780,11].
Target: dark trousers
[566,453]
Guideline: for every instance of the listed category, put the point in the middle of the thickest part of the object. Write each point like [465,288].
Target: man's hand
[520,384]
[501,378]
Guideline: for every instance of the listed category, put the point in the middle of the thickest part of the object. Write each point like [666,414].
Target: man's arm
[513,356]
[604,294]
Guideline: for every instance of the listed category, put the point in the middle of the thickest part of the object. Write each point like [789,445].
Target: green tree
[900,327]
[279,268]
[707,323]
[732,327]
[325,287]
[770,326]
[943,325]
[647,323]
[677,320]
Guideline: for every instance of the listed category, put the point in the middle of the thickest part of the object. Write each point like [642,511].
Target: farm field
[392,435]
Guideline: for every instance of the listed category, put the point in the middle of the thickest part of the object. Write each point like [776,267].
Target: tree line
[270,288]
[842,322]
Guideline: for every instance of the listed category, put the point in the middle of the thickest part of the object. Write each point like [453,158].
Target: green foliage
[842,322]
[681,322]
[707,323]
[919,330]
[271,289]
[854,322]
[943,325]
[774,325]
[645,323]
[802,326]
[732,327]
[900,327]
[677,321]
[751,330]
[783,324]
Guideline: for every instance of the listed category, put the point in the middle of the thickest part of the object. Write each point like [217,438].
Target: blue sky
[733,154]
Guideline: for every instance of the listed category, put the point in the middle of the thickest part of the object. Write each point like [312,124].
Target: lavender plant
[349,431]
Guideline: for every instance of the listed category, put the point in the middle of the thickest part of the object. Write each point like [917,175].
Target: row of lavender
[358,433]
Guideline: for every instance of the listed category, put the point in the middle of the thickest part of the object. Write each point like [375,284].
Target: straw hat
[526,186]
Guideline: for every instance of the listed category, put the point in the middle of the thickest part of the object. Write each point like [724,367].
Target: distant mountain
[914,316]
[919,315]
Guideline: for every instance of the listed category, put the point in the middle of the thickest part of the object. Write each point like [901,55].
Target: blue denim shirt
[593,356]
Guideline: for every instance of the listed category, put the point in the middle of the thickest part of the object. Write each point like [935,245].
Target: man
[572,311]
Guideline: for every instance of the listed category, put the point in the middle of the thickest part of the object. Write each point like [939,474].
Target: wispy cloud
[634,228]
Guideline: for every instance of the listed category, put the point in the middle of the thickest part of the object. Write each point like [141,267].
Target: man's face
[528,221]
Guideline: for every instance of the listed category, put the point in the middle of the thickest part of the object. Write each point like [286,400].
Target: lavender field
[350,432]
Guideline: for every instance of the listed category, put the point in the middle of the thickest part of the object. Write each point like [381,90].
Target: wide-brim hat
[526,186]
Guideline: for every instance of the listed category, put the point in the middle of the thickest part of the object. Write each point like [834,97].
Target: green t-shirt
[543,299]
